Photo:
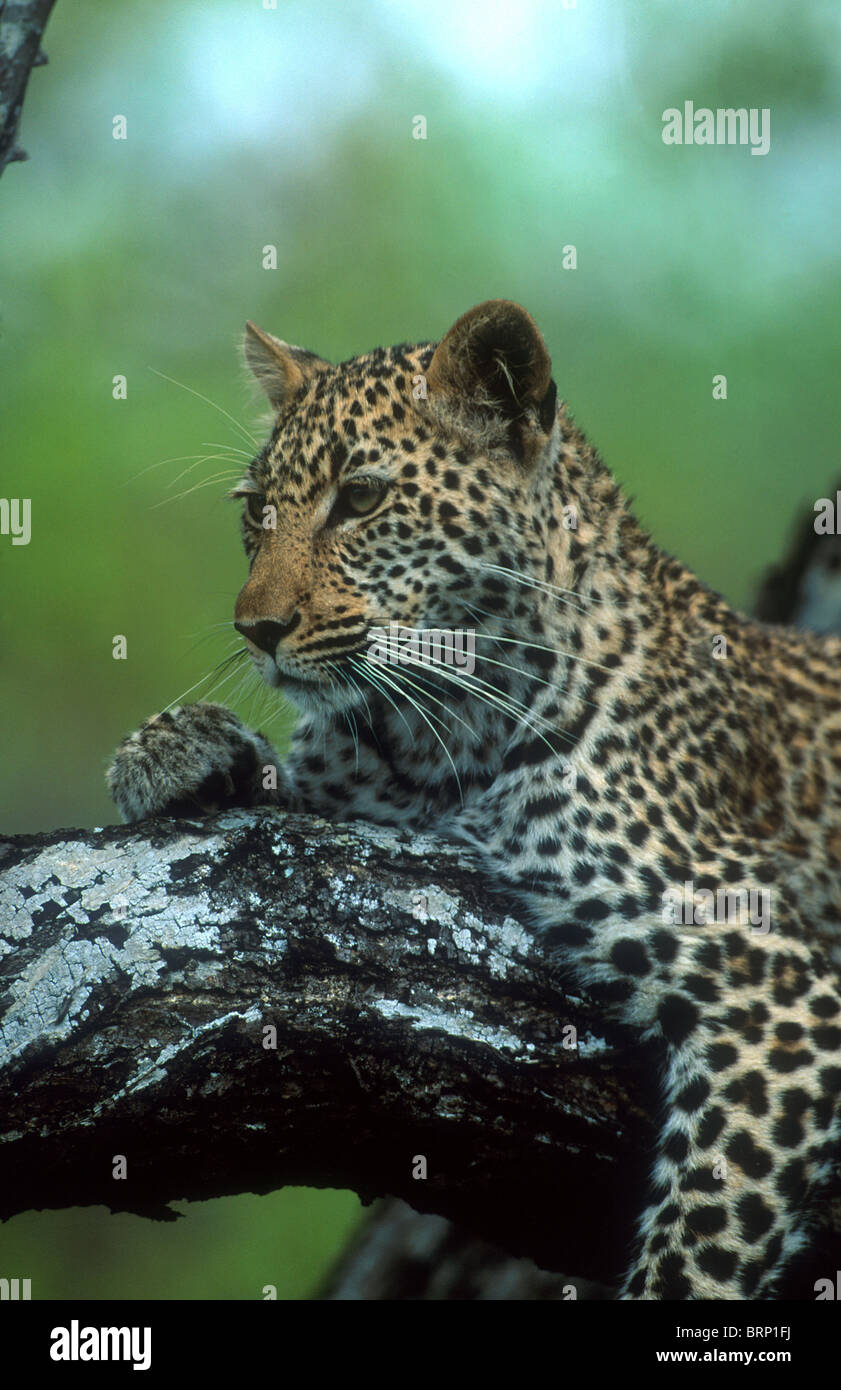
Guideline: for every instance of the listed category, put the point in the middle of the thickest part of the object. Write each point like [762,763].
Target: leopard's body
[624,734]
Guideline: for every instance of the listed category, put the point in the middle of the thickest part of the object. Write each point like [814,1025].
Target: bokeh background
[291,126]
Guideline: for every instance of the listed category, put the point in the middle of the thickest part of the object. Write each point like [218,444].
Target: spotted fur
[624,732]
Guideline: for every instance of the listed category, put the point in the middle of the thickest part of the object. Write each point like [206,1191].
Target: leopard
[653,777]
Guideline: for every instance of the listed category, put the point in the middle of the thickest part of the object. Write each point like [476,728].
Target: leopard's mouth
[279,679]
[289,678]
[322,693]
[320,679]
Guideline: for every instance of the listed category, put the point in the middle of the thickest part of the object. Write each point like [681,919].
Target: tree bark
[22,24]
[252,1000]
[141,967]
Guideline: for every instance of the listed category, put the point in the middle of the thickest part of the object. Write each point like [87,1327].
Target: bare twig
[22,24]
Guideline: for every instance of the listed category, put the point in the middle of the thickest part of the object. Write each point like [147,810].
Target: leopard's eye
[362,497]
[357,499]
[254,500]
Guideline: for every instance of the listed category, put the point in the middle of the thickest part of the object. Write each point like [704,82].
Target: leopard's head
[396,488]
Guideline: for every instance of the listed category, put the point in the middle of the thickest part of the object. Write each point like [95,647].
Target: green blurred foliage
[292,127]
[230,1248]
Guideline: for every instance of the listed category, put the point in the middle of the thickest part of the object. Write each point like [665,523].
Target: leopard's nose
[267,633]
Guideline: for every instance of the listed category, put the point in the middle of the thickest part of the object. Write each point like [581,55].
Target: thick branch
[22,24]
[140,968]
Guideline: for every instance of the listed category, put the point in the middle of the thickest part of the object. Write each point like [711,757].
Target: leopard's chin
[310,694]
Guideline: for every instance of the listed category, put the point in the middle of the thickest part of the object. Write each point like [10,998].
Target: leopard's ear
[281,369]
[494,363]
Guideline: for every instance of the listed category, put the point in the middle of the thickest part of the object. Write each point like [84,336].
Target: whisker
[458,675]
[177,458]
[232,448]
[205,458]
[218,688]
[200,640]
[257,696]
[516,708]
[249,679]
[366,675]
[363,697]
[226,661]
[399,675]
[354,733]
[521,642]
[361,693]
[555,590]
[210,628]
[529,675]
[249,438]
[427,720]
[223,678]
[206,482]
[493,697]
[349,716]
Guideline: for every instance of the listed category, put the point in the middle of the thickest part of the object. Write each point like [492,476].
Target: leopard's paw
[191,760]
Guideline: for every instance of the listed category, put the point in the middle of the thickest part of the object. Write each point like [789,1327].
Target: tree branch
[139,968]
[22,24]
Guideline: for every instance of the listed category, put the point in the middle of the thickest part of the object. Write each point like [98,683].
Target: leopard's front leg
[198,759]
[193,760]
